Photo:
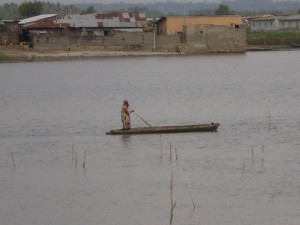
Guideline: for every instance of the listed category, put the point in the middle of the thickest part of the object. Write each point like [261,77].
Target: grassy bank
[4,57]
[280,38]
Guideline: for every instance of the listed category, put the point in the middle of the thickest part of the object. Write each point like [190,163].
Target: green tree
[70,10]
[9,11]
[88,10]
[222,10]
[29,9]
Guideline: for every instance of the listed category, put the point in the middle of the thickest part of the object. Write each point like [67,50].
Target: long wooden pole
[142,119]
[12,157]
[171,194]
[188,184]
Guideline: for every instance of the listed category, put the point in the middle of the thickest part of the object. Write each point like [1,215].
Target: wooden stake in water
[270,122]
[12,157]
[252,155]
[262,153]
[72,152]
[84,158]
[171,195]
[170,152]
[243,166]
[188,184]
[160,147]
[76,159]
[176,155]
[76,152]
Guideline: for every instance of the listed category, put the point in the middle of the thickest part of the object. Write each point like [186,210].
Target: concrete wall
[211,39]
[11,35]
[216,39]
[72,41]
[222,39]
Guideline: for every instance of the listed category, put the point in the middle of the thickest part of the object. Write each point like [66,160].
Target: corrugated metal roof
[87,20]
[105,20]
[125,15]
[113,20]
[268,18]
[291,17]
[36,18]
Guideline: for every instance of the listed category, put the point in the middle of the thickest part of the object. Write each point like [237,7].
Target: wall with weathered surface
[216,39]
[222,39]
[116,42]
[168,43]
[212,39]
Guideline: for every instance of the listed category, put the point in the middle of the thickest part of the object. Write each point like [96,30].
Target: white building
[275,23]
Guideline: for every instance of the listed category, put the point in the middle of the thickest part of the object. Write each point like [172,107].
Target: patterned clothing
[125,117]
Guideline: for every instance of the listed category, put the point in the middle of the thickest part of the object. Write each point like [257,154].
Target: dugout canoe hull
[167,129]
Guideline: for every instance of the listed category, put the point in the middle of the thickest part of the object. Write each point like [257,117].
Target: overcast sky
[107,1]
[112,1]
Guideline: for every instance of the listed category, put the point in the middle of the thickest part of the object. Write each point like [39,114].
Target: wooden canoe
[167,129]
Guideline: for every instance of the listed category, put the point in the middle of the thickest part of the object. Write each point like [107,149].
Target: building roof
[281,18]
[270,18]
[36,18]
[103,20]
[166,17]
[291,17]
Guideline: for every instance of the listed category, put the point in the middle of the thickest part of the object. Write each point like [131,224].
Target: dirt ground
[25,54]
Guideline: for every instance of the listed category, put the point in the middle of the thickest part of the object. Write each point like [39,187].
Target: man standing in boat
[125,115]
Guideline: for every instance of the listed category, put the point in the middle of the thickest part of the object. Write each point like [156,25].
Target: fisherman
[125,115]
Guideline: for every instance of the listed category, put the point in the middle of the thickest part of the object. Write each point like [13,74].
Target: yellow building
[172,25]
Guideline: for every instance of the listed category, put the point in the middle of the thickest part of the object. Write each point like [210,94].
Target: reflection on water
[48,106]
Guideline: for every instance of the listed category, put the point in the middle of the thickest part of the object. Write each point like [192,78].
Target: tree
[9,11]
[222,10]
[88,10]
[69,10]
[29,9]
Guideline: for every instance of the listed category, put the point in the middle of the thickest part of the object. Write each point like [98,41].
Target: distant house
[37,24]
[99,24]
[172,25]
[275,23]
[9,32]
[105,23]
[119,31]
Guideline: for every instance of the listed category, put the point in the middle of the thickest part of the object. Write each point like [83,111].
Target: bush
[273,38]
[4,57]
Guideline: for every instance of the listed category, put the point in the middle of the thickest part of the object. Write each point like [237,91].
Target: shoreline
[25,55]
[35,55]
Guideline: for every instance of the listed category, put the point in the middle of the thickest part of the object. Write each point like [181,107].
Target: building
[130,32]
[275,23]
[99,24]
[9,32]
[172,25]
[97,30]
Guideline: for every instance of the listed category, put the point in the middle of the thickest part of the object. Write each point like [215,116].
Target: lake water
[52,111]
